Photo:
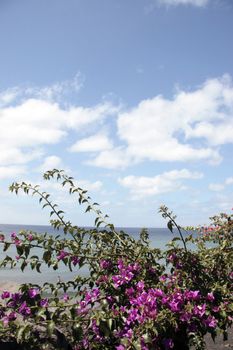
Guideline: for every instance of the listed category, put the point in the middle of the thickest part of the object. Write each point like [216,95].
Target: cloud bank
[217,187]
[191,126]
[142,186]
[198,3]
[32,119]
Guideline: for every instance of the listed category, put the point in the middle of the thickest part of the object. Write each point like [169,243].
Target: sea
[158,237]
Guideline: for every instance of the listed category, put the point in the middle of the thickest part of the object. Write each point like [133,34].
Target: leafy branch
[83,198]
[166,214]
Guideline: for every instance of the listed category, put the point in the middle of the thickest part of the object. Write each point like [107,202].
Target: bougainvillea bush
[133,296]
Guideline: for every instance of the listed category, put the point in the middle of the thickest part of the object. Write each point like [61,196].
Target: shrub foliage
[133,296]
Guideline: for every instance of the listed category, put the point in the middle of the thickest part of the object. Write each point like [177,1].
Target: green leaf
[38,267]
[170,226]
[26,251]
[19,334]
[47,256]
[50,328]
[104,328]
[109,323]
[6,246]
[55,266]
[20,250]
[23,265]
[41,314]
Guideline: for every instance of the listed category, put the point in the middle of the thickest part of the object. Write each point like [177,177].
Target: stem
[179,230]
[96,211]
[51,206]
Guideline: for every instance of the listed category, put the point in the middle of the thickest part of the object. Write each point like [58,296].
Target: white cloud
[53,92]
[90,186]
[84,184]
[216,187]
[8,96]
[189,127]
[34,117]
[13,155]
[59,193]
[11,171]
[229,181]
[56,90]
[28,126]
[51,162]
[94,143]
[142,186]
[79,117]
[221,186]
[199,3]
[111,159]
[224,202]
[36,122]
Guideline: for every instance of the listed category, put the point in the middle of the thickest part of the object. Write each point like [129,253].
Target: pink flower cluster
[126,273]
[15,239]
[20,303]
[141,305]
[63,254]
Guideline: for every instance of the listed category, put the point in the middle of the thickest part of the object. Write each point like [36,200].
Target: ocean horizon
[158,237]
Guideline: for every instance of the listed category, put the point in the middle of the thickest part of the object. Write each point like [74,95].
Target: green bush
[133,296]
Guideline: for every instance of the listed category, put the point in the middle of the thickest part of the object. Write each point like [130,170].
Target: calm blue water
[159,237]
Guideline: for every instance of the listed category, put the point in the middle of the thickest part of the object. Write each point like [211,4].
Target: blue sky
[133,98]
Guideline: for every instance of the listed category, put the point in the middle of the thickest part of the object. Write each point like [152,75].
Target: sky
[133,98]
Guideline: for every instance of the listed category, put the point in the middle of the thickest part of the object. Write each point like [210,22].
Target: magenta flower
[210,322]
[175,306]
[124,278]
[199,310]
[132,316]
[185,317]
[105,264]
[44,302]
[110,299]
[16,297]
[103,279]
[62,255]
[172,257]
[120,347]
[134,267]
[75,260]
[24,309]
[91,296]
[30,237]
[33,292]
[140,286]
[120,263]
[165,300]
[210,297]
[11,317]
[5,295]
[216,309]
[66,297]
[17,242]
[130,291]
[192,295]
[168,343]
[128,334]
[157,292]
[163,278]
